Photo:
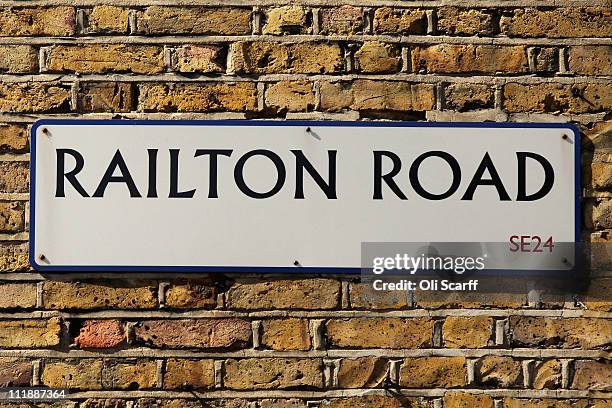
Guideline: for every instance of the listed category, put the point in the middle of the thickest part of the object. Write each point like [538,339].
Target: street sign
[266,196]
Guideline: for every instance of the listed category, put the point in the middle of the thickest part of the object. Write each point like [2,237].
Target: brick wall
[164,340]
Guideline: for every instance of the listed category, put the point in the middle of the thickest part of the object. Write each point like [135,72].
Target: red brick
[15,372]
[204,333]
[100,334]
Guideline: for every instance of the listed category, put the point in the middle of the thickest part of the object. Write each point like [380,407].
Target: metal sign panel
[261,196]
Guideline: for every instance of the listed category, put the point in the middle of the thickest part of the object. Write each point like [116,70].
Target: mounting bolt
[308,129]
[42,257]
[296,263]
[564,137]
[45,130]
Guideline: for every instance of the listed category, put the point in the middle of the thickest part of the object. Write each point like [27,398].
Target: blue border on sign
[255,122]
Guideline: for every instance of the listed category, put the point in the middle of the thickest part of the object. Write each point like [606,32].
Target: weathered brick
[205,97]
[363,372]
[73,374]
[547,375]
[287,20]
[558,22]
[272,58]
[11,216]
[108,19]
[34,97]
[273,373]
[13,256]
[375,401]
[205,333]
[30,333]
[343,20]
[129,374]
[465,97]
[13,138]
[100,334]
[377,95]
[17,295]
[198,374]
[200,58]
[105,97]
[15,372]
[14,177]
[433,372]
[282,403]
[103,403]
[552,97]
[597,295]
[377,57]
[565,333]
[499,372]
[120,295]
[545,403]
[292,96]
[463,400]
[364,296]
[598,215]
[37,21]
[286,334]
[592,375]
[102,58]
[191,294]
[470,300]
[194,20]
[468,332]
[454,58]
[389,333]
[546,60]
[466,21]
[192,403]
[306,294]
[598,175]
[591,60]
[399,21]
[18,59]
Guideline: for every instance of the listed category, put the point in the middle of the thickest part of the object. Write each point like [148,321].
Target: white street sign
[262,195]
